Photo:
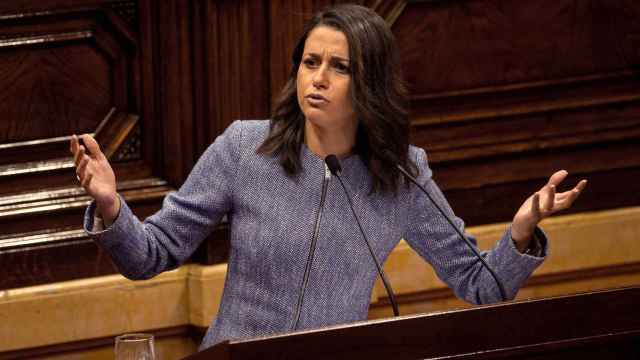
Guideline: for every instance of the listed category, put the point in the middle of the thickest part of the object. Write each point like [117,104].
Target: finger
[92,145]
[557,177]
[535,205]
[79,155]
[86,181]
[579,187]
[73,144]
[550,196]
[82,167]
[571,196]
[568,201]
[563,196]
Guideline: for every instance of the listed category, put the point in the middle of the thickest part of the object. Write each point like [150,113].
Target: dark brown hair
[377,93]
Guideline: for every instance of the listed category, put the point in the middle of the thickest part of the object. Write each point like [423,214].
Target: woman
[298,259]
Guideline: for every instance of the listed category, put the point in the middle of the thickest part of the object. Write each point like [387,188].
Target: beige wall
[588,251]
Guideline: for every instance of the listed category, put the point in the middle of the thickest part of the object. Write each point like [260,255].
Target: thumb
[92,145]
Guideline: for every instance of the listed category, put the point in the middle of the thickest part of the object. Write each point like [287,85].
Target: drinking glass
[135,347]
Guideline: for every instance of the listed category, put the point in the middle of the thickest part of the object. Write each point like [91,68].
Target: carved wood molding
[125,8]
[529,127]
[99,23]
[540,120]
[526,98]
[493,97]
[29,213]
[45,51]
[47,237]
[30,248]
[111,133]
[91,28]
[8,42]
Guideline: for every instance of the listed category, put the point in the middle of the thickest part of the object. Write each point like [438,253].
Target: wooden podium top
[596,325]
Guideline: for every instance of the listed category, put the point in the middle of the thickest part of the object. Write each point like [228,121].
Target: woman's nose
[320,78]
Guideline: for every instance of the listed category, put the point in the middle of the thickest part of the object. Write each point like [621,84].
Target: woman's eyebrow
[340,58]
[333,57]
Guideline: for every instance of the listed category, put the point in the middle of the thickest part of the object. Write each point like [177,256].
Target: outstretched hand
[540,205]
[96,176]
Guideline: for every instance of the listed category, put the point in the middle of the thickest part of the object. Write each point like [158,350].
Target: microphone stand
[466,241]
[334,166]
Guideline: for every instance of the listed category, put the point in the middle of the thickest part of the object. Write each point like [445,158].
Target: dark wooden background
[503,93]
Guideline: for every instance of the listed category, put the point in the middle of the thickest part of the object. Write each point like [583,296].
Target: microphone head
[333,164]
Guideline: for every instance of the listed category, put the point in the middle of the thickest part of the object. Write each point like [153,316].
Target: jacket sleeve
[164,240]
[431,236]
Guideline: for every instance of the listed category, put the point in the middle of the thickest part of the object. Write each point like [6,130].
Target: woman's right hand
[96,176]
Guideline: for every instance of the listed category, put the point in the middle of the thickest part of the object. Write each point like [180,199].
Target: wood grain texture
[10,8]
[65,69]
[65,65]
[174,94]
[211,74]
[456,334]
[51,92]
[504,94]
[479,43]
[519,74]
[234,73]
[522,134]
[33,252]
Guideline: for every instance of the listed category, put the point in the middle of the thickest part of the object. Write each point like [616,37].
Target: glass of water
[135,347]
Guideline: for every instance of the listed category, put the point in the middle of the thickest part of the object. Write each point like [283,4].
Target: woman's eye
[342,68]
[309,62]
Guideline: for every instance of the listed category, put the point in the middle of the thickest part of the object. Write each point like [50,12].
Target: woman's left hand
[540,205]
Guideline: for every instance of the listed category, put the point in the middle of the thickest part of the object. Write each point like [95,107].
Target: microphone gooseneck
[466,241]
[334,166]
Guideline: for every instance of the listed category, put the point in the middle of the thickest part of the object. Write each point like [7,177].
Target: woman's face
[323,80]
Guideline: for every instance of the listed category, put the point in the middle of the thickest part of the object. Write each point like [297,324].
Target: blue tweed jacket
[274,219]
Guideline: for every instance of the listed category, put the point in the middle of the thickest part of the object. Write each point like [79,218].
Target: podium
[596,325]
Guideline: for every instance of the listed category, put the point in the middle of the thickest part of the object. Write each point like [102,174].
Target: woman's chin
[316,116]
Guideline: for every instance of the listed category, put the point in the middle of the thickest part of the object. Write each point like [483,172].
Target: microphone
[334,166]
[466,241]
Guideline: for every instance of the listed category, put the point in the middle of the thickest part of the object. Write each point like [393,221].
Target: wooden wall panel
[22,6]
[67,71]
[69,67]
[174,78]
[234,77]
[209,73]
[503,94]
[513,43]
[38,105]
[63,71]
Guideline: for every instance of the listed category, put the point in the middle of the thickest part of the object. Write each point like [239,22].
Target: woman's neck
[323,142]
